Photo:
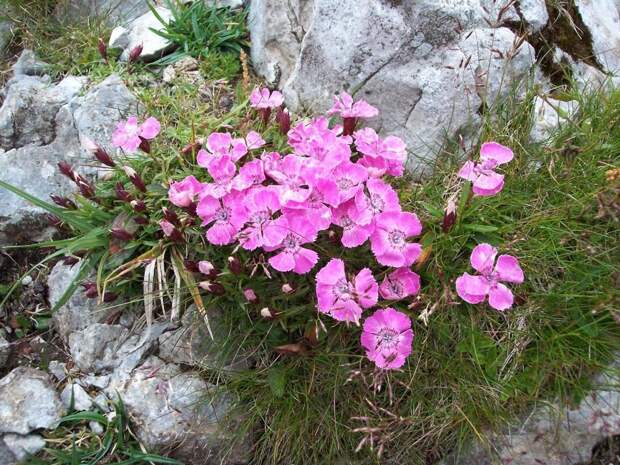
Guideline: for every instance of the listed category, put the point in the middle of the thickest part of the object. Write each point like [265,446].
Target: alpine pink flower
[381,156]
[222,170]
[486,182]
[341,299]
[226,216]
[353,234]
[292,256]
[344,105]
[261,229]
[218,144]
[184,193]
[289,174]
[129,134]
[263,98]
[387,338]
[475,288]
[389,239]
[381,197]
[349,178]
[251,174]
[400,284]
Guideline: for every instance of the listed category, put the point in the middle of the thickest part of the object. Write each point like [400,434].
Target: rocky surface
[549,115]
[114,11]
[6,28]
[14,447]
[140,32]
[5,349]
[430,67]
[551,434]
[28,401]
[42,123]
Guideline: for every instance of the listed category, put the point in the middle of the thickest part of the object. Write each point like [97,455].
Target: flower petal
[500,297]
[508,269]
[498,153]
[472,289]
[483,257]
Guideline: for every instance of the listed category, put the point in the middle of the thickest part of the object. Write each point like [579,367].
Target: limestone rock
[5,349]
[74,395]
[139,32]
[22,446]
[114,11]
[27,64]
[552,434]
[602,19]
[428,66]
[549,115]
[178,413]
[79,311]
[28,401]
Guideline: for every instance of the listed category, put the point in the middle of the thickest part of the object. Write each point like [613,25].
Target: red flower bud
[191,209]
[53,221]
[250,295]
[135,53]
[208,269]
[121,234]
[66,169]
[191,148]
[110,297]
[138,206]
[268,314]
[121,193]
[265,113]
[141,220]
[70,260]
[283,118]
[63,202]
[191,265]
[170,216]
[103,49]
[135,178]
[212,287]
[86,189]
[90,289]
[234,265]
[145,146]
[287,288]
[348,126]
[449,217]
[104,157]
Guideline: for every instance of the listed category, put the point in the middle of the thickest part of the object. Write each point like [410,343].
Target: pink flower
[389,239]
[222,170]
[261,230]
[475,288]
[184,193]
[345,106]
[381,156]
[349,178]
[314,208]
[316,140]
[250,174]
[486,182]
[387,338]
[289,174]
[353,234]
[128,135]
[292,256]
[253,140]
[219,144]
[167,227]
[400,284]
[381,197]
[263,98]
[340,298]
[226,214]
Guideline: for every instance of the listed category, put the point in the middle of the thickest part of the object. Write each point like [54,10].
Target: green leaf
[481,228]
[277,381]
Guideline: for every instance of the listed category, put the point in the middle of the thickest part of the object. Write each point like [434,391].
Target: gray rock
[6,456]
[407,58]
[6,34]
[28,401]
[74,395]
[92,381]
[178,413]
[58,370]
[113,11]
[553,434]
[549,115]
[28,65]
[95,427]
[139,32]
[602,19]
[79,311]
[23,446]
[40,125]
[5,349]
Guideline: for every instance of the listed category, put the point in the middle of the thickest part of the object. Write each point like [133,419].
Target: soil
[606,452]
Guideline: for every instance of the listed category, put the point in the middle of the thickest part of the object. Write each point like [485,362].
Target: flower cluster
[329,179]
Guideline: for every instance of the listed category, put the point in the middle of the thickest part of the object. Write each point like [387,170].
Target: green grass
[472,368]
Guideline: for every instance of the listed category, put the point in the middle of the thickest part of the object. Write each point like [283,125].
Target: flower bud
[208,269]
[283,118]
[191,265]
[212,287]
[191,209]
[170,216]
[121,193]
[145,145]
[90,289]
[287,288]
[191,148]
[250,295]
[265,113]
[234,265]
[85,188]
[103,49]
[66,169]
[135,53]
[267,313]
[63,202]
[135,178]
[138,206]
[70,260]
[449,217]
[348,126]
[53,221]
[121,234]
[109,297]
[141,219]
